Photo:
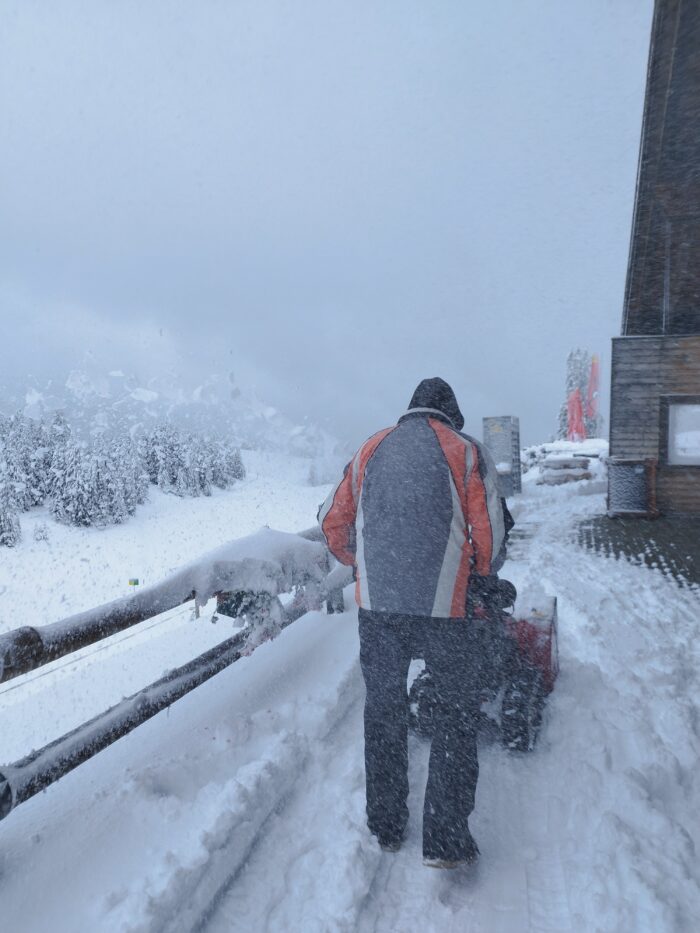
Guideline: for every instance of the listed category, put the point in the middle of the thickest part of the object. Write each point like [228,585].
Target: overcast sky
[332,198]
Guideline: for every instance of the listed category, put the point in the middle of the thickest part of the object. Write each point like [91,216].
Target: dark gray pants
[450,648]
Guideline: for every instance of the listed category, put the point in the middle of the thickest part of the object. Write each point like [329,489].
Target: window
[684,434]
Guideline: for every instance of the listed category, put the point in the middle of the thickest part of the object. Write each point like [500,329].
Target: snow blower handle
[491,593]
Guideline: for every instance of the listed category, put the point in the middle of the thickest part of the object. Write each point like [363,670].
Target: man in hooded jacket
[418,515]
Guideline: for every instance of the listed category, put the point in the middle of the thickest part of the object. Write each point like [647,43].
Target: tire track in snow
[315,860]
[314,866]
[518,884]
[195,899]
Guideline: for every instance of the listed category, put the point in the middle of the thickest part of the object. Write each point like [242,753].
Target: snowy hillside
[76,568]
[90,449]
[242,807]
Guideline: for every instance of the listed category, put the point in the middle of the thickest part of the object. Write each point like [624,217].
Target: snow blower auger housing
[519,669]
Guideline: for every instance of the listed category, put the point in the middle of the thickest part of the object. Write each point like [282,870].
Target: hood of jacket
[436,395]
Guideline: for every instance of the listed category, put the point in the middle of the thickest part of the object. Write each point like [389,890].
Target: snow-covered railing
[270,561]
[250,573]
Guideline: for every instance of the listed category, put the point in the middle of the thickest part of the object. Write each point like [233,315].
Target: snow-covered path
[242,808]
[313,860]
[314,868]
[595,831]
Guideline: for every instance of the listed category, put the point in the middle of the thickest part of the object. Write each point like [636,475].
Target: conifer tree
[108,480]
[18,460]
[203,457]
[217,452]
[103,482]
[132,467]
[10,531]
[42,453]
[73,499]
[234,464]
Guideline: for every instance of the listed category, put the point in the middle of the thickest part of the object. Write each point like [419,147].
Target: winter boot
[470,858]
[390,846]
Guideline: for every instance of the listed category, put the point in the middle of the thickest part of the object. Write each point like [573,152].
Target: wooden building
[655,391]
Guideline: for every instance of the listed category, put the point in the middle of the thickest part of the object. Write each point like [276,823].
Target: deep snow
[241,808]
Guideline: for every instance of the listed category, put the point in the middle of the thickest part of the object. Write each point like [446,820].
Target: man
[417,513]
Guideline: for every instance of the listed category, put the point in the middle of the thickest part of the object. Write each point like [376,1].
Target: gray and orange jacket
[417,512]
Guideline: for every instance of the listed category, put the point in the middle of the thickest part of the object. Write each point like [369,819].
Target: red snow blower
[518,641]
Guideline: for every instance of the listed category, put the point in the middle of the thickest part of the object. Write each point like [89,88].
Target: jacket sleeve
[486,514]
[337,518]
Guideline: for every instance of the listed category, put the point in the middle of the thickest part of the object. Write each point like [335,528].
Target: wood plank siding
[645,370]
[659,355]
[662,295]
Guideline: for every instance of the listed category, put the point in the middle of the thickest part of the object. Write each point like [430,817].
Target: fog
[332,199]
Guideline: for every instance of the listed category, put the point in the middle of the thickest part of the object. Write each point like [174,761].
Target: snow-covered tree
[103,481]
[10,531]
[42,454]
[188,465]
[58,435]
[234,464]
[41,532]
[133,468]
[18,462]
[164,459]
[109,480]
[205,457]
[73,483]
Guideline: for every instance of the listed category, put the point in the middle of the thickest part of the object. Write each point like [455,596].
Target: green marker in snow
[134,581]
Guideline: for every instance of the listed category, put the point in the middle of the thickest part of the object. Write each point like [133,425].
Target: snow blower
[519,664]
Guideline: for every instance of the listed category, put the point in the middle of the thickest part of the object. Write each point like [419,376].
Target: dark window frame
[664,424]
